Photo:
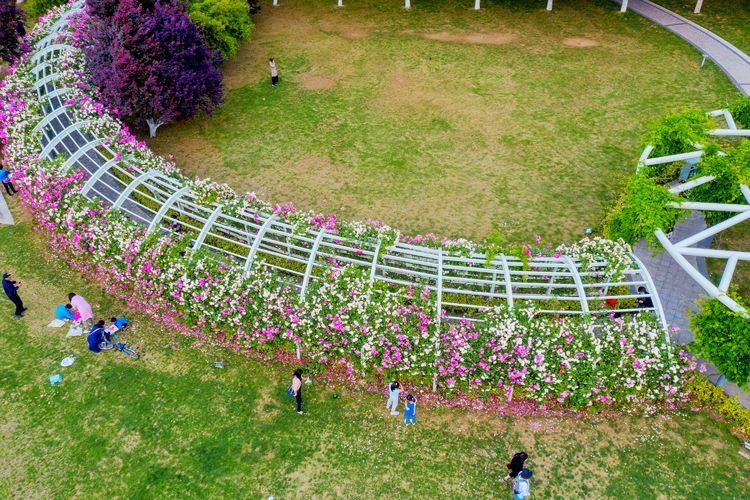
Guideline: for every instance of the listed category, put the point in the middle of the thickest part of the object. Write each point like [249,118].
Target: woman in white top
[274,73]
[297,388]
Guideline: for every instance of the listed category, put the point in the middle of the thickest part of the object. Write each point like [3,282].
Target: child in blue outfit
[410,416]
[64,312]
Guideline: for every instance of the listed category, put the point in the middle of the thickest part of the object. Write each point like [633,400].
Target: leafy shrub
[723,337]
[37,8]
[708,395]
[729,171]
[675,134]
[740,110]
[223,23]
[641,210]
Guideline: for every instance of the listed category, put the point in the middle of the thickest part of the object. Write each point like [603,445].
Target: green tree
[223,23]
[740,110]
[729,171]
[723,337]
[37,8]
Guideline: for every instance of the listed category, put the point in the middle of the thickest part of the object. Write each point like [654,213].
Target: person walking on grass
[10,288]
[297,389]
[394,388]
[82,307]
[410,410]
[521,485]
[7,184]
[515,465]
[274,72]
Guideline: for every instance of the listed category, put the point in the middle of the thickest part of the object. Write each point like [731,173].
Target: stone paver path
[5,216]
[731,60]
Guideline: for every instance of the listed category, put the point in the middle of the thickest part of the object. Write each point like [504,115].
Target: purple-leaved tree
[11,29]
[150,63]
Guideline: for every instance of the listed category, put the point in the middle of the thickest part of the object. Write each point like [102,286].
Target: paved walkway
[731,60]
[677,290]
[5,216]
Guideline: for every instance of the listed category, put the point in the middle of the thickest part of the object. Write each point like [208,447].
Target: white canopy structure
[462,284]
[686,247]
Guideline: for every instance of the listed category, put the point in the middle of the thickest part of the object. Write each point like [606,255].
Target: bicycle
[108,345]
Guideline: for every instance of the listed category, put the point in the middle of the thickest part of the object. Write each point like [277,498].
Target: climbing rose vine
[345,320]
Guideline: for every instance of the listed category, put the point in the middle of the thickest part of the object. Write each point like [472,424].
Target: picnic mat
[74,331]
[56,323]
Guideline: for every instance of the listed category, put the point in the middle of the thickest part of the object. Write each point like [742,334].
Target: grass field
[726,18]
[170,425]
[445,119]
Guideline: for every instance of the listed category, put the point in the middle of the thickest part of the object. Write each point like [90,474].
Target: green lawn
[727,18]
[170,425]
[445,119]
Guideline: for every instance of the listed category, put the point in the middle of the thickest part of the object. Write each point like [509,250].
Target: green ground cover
[445,119]
[726,18]
[170,425]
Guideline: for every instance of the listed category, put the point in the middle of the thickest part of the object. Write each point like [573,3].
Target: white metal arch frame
[678,251]
[462,285]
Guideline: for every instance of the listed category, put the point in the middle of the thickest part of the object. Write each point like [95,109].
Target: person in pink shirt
[82,307]
[296,386]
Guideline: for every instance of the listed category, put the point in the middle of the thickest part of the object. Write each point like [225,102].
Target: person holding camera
[10,288]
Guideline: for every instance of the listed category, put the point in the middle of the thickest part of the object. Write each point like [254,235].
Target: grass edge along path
[170,425]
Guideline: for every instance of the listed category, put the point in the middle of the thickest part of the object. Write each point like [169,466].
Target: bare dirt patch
[580,43]
[313,82]
[354,34]
[473,38]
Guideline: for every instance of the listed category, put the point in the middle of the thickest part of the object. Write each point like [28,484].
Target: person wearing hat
[521,485]
[11,290]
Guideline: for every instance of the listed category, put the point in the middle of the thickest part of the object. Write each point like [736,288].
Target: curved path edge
[732,61]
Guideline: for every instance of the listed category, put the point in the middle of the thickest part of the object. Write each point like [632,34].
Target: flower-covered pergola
[464,278]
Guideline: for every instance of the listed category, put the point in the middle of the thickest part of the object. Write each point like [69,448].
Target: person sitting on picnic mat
[64,312]
[96,336]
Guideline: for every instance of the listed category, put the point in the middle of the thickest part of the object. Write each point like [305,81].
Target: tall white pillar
[407,4]
[341,3]
[549,4]
[698,6]
[476,4]
[624,7]
[275,3]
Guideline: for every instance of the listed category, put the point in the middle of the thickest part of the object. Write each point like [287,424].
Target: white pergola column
[407,4]
[275,3]
[256,242]
[549,5]
[341,3]
[206,228]
[624,6]
[698,6]
[476,4]
[133,186]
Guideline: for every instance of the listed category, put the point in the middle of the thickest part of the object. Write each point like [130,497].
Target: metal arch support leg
[579,284]
[311,261]
[256,242]
[96,175]
[156,221]
[654,293]
[374,265]
[207,227]
[62,135]
[133,186]
[508,284]
[439,286]
[82,151]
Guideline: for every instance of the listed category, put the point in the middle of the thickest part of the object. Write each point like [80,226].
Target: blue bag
[290,392]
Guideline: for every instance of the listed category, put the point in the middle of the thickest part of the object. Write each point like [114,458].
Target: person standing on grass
[274,72]
[521,485]
[410,410]
[10,288]
[7,184]
[515,465]
[297,388]
[394,388]
[82,307]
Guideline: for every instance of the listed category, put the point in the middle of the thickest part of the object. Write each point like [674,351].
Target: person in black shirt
[11,290]
[644,302]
